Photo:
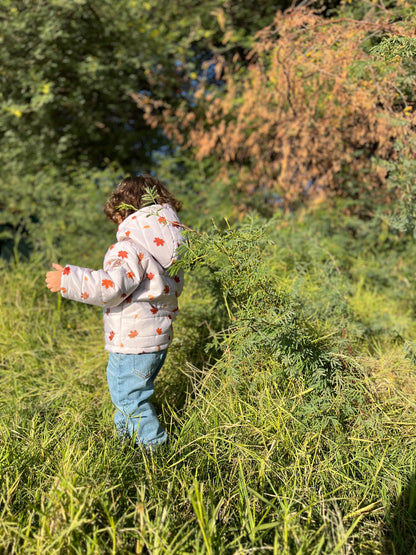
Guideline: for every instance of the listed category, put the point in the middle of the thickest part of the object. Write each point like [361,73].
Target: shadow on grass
[400,535]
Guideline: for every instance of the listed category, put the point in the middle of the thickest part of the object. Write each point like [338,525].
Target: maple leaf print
[140,256]
[134,217]
[112,247]
[130,275]
[159,331]
[146,226]
[133,333]
[162,220]
[177,279]
[84,296]
[158,241]
[66,270]
[111,336]
[166,289]
[127,233]
[107,283]
[150,275]
[154,310]
[63,289]
[122,254]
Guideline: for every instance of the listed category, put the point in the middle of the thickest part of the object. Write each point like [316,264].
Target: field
[259,459]
[287,130]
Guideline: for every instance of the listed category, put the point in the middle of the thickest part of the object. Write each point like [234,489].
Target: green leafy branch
[393,47]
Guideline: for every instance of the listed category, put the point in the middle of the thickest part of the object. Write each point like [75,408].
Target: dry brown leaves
[311,111]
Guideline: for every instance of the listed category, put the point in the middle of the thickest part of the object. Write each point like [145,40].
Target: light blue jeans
[130,381]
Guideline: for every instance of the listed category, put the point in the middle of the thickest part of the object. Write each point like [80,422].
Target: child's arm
[107,287]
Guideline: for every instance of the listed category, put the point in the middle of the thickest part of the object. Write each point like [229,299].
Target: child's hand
[53,278]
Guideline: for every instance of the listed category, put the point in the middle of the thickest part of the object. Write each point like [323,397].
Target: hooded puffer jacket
[139,298]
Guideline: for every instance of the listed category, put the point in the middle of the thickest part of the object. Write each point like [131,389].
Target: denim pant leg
[130,381]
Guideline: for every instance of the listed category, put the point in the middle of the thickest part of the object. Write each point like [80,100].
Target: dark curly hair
[130,191]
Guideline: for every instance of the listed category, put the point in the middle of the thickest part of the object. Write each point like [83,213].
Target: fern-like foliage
[269,323]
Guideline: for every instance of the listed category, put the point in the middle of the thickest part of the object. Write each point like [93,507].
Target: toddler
[139,298]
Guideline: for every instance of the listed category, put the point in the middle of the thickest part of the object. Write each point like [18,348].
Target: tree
[69,69]
[309,114]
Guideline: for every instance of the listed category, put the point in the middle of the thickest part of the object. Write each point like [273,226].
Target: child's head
[130,191]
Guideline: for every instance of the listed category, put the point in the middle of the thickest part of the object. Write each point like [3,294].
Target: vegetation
[288,393]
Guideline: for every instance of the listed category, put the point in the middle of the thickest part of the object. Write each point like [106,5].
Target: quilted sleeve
[122,274]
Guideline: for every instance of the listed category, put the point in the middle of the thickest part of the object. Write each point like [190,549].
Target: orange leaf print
[154,310]
[159,331]
[130,275]
[63,289]
[146,226]
[84,295]
[162,220]
[107,283]
[166,289]
[158,241]
[140,256]
[66,270]
[111,336]
[122,254]
[150,275]
[112,247]
[133,333]
[127,233]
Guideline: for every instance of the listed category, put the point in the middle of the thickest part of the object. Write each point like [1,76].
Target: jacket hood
[156,229]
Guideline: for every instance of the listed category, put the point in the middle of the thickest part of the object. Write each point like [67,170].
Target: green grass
[247,469]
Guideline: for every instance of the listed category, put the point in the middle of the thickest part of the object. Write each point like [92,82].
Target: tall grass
[247,468]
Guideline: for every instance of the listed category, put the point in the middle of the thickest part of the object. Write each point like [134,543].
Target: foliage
[266,320]
[47,210]
[310,114]
[69,68]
